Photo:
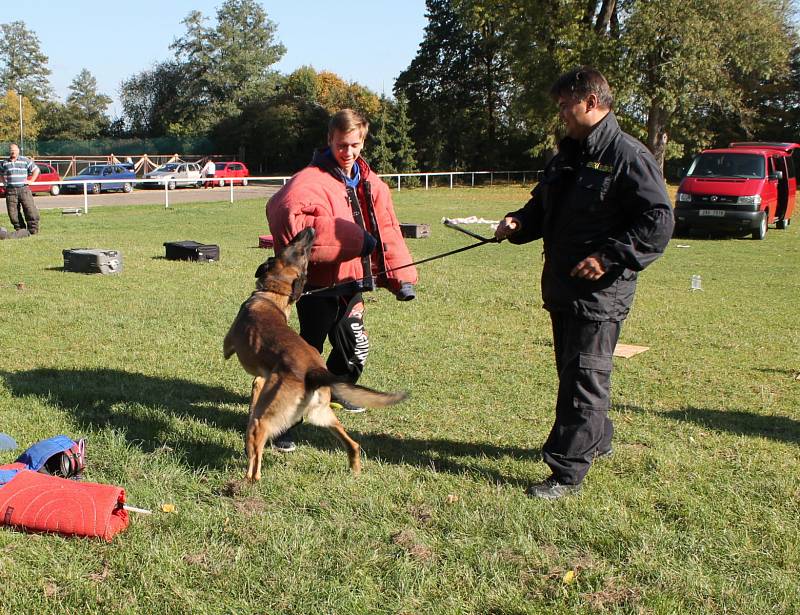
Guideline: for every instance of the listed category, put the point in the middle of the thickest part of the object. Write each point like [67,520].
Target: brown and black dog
[291,381]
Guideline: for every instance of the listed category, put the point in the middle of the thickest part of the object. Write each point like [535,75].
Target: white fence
[430,180]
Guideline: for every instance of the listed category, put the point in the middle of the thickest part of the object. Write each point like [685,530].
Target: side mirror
[682,172]
[776,175]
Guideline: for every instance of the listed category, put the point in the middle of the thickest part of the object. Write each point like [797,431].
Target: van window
[790,172]
[713,164]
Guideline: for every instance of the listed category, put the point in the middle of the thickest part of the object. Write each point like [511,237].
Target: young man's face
[346,147]
[576,115]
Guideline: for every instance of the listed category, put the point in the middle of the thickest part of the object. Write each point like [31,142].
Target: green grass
[697,512]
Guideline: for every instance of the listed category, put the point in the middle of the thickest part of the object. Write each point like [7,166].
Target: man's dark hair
[580,82]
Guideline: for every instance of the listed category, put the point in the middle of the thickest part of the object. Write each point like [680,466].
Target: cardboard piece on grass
[626,351]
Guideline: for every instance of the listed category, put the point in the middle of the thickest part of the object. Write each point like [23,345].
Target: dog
[290,380]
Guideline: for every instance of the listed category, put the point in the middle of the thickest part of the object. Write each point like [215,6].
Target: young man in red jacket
[357,240]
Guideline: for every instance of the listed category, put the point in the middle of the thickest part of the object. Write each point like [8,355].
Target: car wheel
[55,190]
[171,185]
[95,188]
[761,231]
[222,182]
[244,182]
[127,187]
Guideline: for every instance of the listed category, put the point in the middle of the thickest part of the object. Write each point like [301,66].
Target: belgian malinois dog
[290,381]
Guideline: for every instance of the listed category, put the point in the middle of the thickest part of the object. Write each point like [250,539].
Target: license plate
[713,212]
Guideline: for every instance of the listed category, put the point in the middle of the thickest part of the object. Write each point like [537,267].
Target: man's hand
[590,268]
[508,226]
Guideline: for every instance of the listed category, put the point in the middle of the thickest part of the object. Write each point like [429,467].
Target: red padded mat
[43,503]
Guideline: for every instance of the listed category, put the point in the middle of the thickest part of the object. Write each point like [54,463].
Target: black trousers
[19,200]
[584,360]
[341,321]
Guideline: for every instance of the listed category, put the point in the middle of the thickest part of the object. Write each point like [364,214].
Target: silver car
[175,174]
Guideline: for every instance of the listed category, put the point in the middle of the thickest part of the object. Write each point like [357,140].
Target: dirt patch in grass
[408,541]
[612,596]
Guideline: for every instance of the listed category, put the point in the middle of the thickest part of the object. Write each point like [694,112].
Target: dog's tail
[353,393]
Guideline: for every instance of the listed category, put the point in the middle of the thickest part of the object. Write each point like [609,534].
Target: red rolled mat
[43,503]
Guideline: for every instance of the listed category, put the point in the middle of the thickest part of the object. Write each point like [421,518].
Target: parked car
[47,173]
[175,174]
[739,189]
[95,173]
[231,171]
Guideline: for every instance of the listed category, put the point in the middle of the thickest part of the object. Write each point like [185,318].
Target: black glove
[369,244]
[406,292]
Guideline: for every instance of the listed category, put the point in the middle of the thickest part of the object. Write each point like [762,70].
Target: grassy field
[697,512]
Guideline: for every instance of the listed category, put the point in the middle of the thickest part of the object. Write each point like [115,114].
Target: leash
[482,241]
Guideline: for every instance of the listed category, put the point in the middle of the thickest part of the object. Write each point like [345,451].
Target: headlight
[750,200]
[683,197]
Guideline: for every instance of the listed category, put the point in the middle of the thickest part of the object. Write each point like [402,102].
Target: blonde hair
[347,120]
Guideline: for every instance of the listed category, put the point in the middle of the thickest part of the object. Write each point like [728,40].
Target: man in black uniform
[604,214]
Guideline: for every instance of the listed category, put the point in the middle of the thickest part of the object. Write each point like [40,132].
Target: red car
[46,174]
[231,170]
[740,189]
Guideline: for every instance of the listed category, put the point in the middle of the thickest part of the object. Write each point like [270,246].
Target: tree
[9,119]
[458,87]
[405,158]
[379,144]
[23,66]
[675,65]
[87,107]
[154,100]
[226,67]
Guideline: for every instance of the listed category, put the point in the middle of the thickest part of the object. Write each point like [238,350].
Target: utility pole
[21,143]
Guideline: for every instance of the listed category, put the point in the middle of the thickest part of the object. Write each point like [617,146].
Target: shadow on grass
[144,409]
[436,454]
[739,422]
[139,406]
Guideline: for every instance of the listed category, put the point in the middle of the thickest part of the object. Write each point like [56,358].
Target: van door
[782,197]
[770,196]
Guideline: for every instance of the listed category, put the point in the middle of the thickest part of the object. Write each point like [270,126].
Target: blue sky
[369,41]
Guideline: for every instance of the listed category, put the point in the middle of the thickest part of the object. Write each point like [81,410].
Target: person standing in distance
[357,240]
[603,212]
[15,170]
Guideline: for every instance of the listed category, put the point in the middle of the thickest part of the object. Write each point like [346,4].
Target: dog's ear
[265,266]
[297,287]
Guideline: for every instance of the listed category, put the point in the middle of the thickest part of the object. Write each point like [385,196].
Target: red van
[739,189]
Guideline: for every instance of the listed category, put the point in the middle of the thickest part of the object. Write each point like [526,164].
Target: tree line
[687,74]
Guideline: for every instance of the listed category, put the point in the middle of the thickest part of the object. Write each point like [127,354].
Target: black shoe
[346,405]
[284,444]
[551,489]
[598,455]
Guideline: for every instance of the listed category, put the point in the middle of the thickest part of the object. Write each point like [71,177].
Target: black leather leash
[482,241]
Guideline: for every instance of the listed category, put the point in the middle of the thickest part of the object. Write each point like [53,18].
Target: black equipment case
[191,251]
[88,260]
[415,231]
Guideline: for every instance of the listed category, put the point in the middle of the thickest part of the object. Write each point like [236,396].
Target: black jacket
[605,194]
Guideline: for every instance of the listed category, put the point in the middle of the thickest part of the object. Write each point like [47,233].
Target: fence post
[473,179]
[398,182]
[451,181]
[523,178]
[166,194]
[491,178]
[85,199]
[508,177]
[426,181]
[231,183]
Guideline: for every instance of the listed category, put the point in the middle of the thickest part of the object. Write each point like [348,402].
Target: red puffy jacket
[317,197]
